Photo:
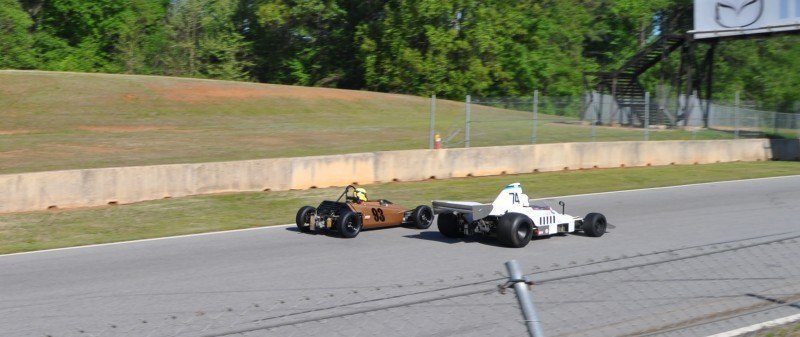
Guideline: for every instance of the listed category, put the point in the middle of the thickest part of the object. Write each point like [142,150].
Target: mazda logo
[738,13]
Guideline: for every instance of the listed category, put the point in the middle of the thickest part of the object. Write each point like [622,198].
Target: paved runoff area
[683,261]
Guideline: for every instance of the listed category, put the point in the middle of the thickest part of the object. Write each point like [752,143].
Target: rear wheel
[349,225]
[594,225]
[422,217]
[514,230]
[303,218]
[448,225]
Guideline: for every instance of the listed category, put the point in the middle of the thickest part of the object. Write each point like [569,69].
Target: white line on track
[759,326]
[670,187]
[288,225]
[147,240]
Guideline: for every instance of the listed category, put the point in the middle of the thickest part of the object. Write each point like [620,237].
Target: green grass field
[789,330]
[63,228]
[54,120]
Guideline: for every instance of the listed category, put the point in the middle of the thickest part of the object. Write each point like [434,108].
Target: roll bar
[344,194]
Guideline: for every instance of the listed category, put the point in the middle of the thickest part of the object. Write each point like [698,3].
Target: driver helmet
[361,194]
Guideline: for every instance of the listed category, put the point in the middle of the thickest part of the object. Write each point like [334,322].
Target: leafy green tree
[141,36]
[301,41]
[445,47]
[763,70]
[456,47]
[205,41]
[77,35]
[15,40]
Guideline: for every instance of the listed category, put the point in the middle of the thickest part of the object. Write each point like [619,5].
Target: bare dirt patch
[12,154]
[125,128]
[205,92]
[285,139]
[14,132]
[130,97]
[267,141]
[70,150]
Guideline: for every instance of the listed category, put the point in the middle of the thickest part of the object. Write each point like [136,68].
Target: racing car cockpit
[351,192]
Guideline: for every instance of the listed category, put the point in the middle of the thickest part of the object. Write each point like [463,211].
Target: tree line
[444,47]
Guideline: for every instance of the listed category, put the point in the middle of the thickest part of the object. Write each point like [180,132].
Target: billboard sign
[719,18]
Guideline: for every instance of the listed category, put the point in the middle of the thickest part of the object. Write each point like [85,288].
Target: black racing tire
[349,225]
[422,217]
[514,230]
[448,225]
[303,218]
[594,225]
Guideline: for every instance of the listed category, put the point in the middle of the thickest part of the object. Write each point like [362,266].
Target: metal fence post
[597,114]
[535,115]
[775,123]
[647,116]
[796,116]
[467,122]
[736,115]
[432,132]
[757,123]
[524,297]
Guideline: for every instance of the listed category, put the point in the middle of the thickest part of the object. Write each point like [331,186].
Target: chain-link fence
[749,122]
[491,121]
[692,291]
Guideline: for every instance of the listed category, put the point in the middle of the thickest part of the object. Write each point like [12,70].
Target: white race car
[512,218]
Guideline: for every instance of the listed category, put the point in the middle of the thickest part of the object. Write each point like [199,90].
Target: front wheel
[303,218]
[515,230]
[349,225]
[422,217]
[594,225]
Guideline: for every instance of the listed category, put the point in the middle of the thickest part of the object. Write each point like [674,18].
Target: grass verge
[789,330]
[56,121]
[63,228]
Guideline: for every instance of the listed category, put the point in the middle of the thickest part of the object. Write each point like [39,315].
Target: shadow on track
[331,232]
[490,241]
[438,237]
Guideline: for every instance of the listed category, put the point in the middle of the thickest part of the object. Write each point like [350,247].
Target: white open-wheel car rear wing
[477,210]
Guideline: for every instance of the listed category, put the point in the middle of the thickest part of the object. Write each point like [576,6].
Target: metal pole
[797,123]
[709,81]
[690,107]
[736,116]
[600,113]
[678,81]
[596,109]
[467,123]
[614,107]
[775,123]
[535,115]
[433,122]
[690,91]
[757,122]
[524,298]
[647,116]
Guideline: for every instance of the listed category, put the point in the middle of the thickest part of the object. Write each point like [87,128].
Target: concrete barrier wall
[94,187]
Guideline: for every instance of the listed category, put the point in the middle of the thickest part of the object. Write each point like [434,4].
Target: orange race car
[352,211]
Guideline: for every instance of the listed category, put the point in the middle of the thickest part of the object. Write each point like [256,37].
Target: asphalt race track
[683,261]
